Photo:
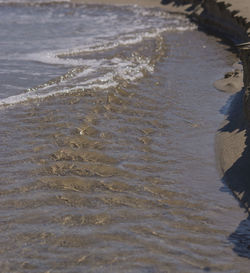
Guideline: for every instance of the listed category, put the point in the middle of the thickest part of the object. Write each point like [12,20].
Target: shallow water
[108,118]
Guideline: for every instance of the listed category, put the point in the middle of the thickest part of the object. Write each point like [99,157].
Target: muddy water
[107,143]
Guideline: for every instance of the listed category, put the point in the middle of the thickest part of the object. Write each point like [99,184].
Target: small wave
[64,57]
[120,70]
[95,64]
[123,40]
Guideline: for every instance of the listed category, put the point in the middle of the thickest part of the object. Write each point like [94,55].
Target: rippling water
[108,117]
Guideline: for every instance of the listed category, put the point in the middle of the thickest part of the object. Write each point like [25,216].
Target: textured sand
[232,138]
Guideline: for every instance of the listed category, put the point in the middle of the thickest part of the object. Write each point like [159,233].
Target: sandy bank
[231,19]
[233,144]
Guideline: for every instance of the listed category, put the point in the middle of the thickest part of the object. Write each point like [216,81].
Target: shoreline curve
[229,19]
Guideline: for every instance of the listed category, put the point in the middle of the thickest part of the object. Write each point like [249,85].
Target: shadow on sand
[237,177]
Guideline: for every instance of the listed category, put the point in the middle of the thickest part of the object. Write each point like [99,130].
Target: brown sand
[232,138]
[241,6]
[231,83]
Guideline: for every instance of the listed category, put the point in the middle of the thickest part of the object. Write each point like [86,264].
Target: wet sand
[110,187]
[232,137]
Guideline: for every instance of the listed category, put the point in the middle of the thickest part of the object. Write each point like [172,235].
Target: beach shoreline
[109,126]
[230,19]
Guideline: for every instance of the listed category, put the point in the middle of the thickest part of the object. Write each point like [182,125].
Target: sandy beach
[232,137]
[115,118]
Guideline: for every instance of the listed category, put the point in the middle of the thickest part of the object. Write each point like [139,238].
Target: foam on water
[74,45]
[120,69]
[60,56]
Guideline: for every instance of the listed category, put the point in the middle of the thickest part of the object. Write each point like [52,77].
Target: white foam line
[62,57]
[21,98]
[123,40]
[125,71]
[102,82]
